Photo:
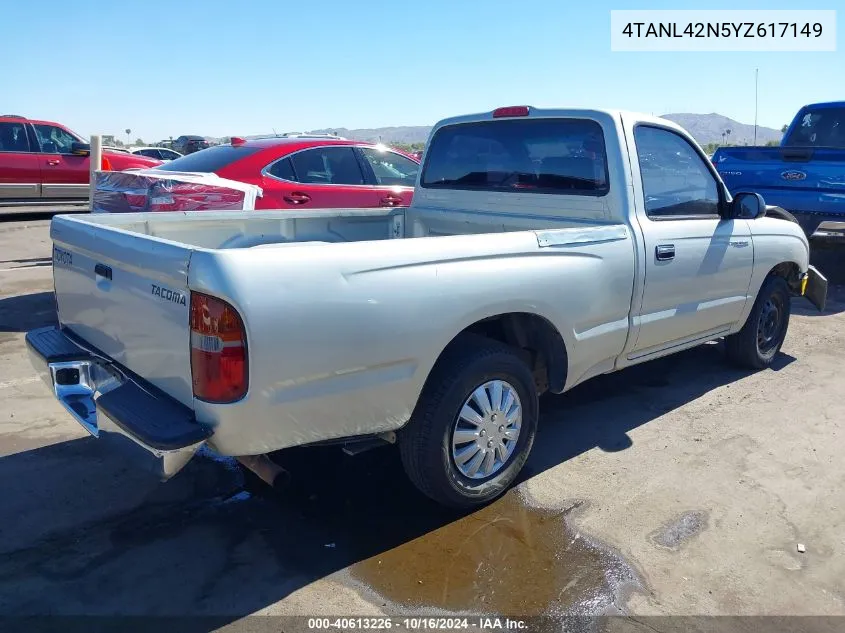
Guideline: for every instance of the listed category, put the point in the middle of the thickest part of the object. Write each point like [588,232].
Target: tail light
[218,350]
[510,111]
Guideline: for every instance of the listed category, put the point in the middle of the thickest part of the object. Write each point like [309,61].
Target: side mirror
[80,149]
[747,205]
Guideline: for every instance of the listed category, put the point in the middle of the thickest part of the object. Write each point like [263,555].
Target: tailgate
[791,169]
[126,295]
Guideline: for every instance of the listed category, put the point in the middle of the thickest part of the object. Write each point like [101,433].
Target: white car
[161,153]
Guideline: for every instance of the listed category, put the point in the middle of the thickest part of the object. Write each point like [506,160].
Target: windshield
[822,127]
[565,156]
[209,160]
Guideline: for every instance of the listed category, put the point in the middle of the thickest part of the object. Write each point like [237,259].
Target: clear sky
[228,67]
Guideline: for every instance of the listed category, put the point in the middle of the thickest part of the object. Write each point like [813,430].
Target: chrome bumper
[148,427]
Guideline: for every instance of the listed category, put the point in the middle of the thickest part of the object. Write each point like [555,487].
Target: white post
[95,166]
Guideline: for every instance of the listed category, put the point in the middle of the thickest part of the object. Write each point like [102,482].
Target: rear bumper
[148,427]
[831,230]
[818,224]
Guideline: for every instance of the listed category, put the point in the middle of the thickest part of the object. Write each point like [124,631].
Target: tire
[758,342]
[426,442]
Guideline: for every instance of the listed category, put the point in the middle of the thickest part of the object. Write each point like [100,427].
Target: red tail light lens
[218,350]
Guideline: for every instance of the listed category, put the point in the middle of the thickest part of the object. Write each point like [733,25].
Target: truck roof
[573,112]
[825,104]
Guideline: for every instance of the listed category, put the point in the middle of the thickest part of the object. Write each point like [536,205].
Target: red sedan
[310,172]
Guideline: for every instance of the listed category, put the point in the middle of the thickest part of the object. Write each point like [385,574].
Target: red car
[45,160]
[310,172]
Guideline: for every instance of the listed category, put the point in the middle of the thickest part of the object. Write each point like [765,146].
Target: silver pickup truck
[542,248]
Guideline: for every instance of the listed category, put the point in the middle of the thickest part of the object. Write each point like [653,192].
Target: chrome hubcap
[487,429]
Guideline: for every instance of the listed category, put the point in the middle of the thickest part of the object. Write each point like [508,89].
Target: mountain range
[705,128]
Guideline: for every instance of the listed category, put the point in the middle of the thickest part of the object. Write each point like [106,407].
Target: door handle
[101,270]
[391,201]
[297,198]
[664,252]
[53,162]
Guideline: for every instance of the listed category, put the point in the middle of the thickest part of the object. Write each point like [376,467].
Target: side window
[327,166]
[391,168]
[282,169]
[13,138]
[152,153]
[54,140]
[676,181]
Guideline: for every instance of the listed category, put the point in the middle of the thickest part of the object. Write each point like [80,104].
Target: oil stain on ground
[506,558]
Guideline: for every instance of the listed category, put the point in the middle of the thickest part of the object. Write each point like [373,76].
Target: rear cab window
[209,160]
[556,156]
[818,127]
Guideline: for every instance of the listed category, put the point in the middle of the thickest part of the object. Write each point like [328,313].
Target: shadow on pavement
[81,533]
[20,313]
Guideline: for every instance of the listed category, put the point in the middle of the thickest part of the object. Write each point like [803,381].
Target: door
[63,175]
[318,177]
[698,265]
[394,175]
[20,172]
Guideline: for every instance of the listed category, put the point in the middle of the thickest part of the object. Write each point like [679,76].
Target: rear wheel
[758,342]
[474,425]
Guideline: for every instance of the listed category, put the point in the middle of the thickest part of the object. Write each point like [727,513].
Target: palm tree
[728,132]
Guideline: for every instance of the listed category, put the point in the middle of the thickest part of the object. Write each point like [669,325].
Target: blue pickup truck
[805,175]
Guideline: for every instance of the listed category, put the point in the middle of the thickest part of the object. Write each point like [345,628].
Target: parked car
[189,144]
[114,148]
[43,159]
[308,171]
[804,175]
[161,153]
[536,255]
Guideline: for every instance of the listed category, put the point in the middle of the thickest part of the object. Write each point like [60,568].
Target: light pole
[756,73]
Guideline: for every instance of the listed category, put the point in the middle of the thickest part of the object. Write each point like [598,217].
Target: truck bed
[238,229]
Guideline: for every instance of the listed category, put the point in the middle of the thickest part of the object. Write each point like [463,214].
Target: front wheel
[474,425]
[760,339]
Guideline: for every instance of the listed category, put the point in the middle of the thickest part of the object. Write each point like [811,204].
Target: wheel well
[790,272]
[535,339]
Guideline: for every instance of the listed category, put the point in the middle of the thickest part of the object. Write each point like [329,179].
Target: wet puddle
[507,559]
